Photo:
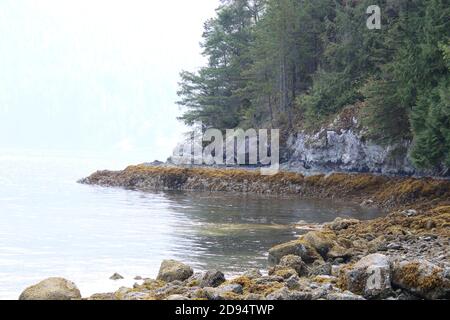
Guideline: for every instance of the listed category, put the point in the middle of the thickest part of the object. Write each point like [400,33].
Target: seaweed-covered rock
[321,241]
[297,247]
[421,278]
[52,289]
[286,294]
[283,272]
[225,292]
[369,277]
[294,262]
[340,224]
[172,270]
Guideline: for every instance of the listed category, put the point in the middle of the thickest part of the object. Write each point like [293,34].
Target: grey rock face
[347,150]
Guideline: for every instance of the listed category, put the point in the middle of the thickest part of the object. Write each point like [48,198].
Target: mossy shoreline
[323,264]
[382,191]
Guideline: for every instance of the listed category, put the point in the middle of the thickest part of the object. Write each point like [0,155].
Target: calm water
[52,226]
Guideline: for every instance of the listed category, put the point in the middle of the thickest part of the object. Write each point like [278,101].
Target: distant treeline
[294,64]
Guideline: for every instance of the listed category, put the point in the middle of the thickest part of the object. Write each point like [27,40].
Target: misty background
[96,77]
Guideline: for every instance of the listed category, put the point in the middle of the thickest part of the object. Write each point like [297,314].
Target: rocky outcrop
[52,289]
[172,270]
[346,151]
[344,145]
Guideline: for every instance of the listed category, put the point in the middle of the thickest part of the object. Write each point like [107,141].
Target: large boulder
[369,277]
[297,247]
[421,278]
[172,270]
[51,289]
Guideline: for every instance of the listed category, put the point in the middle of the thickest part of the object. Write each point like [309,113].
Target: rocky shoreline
[401,256]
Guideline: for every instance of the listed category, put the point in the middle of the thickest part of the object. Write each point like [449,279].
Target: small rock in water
[116,276]
[138,278]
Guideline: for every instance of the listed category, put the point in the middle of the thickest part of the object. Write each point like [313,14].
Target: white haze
[96,76]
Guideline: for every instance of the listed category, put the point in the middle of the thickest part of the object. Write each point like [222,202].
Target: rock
[340,224]
[282,272]
[332,148]
[253,297]
[266,280]
[177,297]
[286,294]
[213,279]
[338,252]
[296,263]
[115,277]
[103,297]
[430,225]
[225,292]
[235,288]
[321,241]
[421,278]
[410,213]
[369,277]
[320,269]
[172,270]
[297,247]
[252,274]
[52,289]
[347,295]
[293,283]
[394,246]
[367,203]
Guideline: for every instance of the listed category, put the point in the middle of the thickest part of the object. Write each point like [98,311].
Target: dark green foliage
[297,63]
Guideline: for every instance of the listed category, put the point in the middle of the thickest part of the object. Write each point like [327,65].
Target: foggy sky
[96,75]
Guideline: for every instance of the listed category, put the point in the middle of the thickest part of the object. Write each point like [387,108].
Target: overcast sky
[97,75]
